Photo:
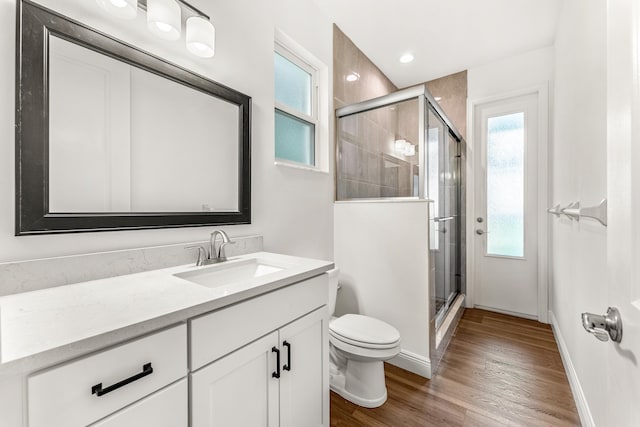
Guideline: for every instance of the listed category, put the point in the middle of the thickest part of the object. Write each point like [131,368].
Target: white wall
[579,155]
[510,74]
[506,77]
[382,252]
[291,208]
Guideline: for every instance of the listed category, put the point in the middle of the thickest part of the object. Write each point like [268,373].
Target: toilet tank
[333,289]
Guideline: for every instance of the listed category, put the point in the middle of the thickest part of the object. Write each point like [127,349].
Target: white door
[304,381]
[506,209]
[238,390]
[622,368]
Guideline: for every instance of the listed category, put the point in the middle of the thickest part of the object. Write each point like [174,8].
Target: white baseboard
[578,395]
[510,313]
[412,362]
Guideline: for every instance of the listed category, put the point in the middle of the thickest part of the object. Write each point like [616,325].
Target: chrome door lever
[604,327]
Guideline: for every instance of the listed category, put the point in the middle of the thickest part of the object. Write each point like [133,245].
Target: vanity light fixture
[164,19]
[401,144]
[410,150]
[201,37]
[123,9]
[405,148]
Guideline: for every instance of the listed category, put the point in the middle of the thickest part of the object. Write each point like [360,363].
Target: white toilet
[358,347]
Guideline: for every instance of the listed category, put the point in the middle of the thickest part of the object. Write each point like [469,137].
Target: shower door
[443,163]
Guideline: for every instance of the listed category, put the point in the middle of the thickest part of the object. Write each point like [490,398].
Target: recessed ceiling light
[438,98]
[352,77]
[406,58]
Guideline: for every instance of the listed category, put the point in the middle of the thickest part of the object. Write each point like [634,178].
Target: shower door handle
[443,219]
[480,232]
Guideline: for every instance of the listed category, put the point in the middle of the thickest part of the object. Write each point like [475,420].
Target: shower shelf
[573,211]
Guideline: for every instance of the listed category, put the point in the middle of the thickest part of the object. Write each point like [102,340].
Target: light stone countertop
[42,328]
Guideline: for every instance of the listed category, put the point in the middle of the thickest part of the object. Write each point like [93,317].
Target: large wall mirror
[110,137]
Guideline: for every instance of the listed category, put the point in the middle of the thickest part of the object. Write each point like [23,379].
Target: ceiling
[445,36]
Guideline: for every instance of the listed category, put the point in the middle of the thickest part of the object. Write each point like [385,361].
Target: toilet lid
[364,329]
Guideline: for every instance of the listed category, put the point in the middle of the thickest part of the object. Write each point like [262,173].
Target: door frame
[542,91]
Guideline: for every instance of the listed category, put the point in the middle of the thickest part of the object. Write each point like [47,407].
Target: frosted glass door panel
[293,85]
[505,185]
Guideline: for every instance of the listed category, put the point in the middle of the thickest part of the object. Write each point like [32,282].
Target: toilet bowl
[359,345]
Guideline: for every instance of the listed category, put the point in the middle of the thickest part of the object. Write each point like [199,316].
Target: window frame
[291,51]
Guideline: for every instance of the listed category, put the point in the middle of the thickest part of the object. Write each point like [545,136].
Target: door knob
[604,327]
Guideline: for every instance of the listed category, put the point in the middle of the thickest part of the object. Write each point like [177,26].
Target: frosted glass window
[293,85]
[294,139]
[296,116]
[505,185]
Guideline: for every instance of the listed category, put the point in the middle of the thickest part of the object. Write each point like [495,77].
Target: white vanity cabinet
[260,357]
[87,390]
[277,378]
[238,390]
[168,407]
[304,376]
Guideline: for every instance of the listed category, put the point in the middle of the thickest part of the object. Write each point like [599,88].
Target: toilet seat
[364,332]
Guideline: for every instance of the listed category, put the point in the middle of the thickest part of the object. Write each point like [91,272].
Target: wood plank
[498,370]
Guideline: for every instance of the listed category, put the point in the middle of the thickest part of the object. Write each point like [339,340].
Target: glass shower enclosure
[403,146]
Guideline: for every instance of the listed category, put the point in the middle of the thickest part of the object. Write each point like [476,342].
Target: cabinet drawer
[66,395]
[165,408]
[216,334]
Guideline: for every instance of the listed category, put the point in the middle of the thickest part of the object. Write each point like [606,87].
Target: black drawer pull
[276,374]
[287,367]
[97,389]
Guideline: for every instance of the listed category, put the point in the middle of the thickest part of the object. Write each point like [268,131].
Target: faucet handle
[202,254]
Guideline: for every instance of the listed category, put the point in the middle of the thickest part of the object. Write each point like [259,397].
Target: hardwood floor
[498,370]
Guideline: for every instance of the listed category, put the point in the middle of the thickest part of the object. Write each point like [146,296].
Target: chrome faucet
[214,255]
[218,255]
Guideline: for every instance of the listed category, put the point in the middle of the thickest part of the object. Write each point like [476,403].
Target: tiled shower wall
[452,91]
[347,59]
[368,166]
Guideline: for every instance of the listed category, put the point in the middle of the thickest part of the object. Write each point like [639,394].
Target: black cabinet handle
[276,374]
[287,367]
[97,389]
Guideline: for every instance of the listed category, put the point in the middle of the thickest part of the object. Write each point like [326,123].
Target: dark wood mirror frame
[35,24]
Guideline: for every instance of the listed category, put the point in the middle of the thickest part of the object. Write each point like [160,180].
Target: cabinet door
[165,408]
[304,388]
[238,390]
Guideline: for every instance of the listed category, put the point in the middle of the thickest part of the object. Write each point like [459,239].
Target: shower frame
[425,102]
[425,99]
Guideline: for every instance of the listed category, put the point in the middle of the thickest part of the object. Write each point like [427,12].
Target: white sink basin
[229,272]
